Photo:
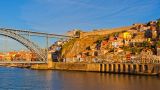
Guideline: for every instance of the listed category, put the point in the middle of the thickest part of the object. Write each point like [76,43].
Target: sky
[60,16]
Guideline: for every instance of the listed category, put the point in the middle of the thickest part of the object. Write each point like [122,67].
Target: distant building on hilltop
[74,33]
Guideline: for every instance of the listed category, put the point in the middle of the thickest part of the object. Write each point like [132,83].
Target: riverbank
[16,65]
[119,68]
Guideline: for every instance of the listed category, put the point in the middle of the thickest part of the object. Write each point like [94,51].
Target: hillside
[77,45]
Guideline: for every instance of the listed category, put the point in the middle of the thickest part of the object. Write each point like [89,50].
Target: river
[26,79]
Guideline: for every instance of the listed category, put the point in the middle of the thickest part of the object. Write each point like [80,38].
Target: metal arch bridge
[18,36]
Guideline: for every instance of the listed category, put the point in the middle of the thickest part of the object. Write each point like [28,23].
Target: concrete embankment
[141,69]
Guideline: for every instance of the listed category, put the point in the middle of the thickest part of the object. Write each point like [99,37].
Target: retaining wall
[144,69]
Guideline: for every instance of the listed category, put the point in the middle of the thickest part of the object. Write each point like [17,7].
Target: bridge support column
[49,61]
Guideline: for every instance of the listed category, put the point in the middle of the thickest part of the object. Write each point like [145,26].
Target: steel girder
[42,54]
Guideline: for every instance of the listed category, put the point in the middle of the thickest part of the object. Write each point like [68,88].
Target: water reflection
[22,79]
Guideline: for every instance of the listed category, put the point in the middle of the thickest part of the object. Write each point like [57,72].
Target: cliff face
[77,45]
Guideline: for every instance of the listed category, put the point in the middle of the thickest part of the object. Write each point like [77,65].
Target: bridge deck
[32,33]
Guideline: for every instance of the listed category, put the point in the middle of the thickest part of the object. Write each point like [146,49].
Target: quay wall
[127,68]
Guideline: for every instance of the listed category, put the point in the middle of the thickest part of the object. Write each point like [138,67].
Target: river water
[26,79]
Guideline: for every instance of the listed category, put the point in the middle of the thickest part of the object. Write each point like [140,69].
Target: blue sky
[59,16]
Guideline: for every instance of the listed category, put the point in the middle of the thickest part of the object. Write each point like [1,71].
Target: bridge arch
[42,55]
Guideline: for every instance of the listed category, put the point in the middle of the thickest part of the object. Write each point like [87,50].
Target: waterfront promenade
[119,68]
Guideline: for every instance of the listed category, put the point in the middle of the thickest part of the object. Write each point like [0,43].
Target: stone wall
[105,31]
[141,69]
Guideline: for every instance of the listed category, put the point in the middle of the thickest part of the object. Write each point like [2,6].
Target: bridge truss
[18,35]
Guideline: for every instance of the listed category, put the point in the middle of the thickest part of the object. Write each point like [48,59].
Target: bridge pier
[49,61]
